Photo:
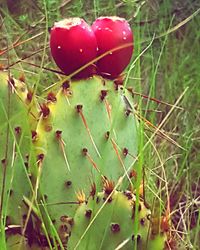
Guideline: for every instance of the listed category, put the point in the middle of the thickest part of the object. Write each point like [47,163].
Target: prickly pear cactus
[83,134]
[86,130]
[16,144]
[104,222]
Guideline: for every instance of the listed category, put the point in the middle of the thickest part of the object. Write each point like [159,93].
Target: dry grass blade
[154,99]
[158,130]
[20,43]
[176,27]
[24,58]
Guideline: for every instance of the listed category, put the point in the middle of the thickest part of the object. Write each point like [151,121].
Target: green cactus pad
[87,130]
[110,225]
[19,242]
[16,144]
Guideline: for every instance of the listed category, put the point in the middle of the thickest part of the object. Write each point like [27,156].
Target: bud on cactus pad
[112,33]
[102,223]
[73,44]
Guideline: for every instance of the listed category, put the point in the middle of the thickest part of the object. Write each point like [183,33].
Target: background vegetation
[165,66]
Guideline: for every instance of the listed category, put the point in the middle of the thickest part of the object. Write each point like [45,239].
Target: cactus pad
[104,222]
[87,130]
[16,144]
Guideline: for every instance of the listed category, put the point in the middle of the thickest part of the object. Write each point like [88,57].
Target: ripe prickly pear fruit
[73,44]
[111,33]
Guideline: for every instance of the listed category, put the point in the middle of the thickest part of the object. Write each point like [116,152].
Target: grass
[168,68]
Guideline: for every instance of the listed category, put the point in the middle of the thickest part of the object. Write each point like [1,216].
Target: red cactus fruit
[73,44]
[111,33]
